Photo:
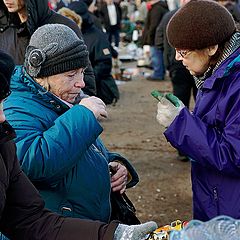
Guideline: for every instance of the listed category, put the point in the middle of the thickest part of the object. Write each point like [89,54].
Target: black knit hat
[54,49]
[200,24]
[6,69]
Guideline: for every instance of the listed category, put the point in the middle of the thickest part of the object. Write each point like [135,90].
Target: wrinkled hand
[134,232]
[119,178]
[96,105]
[169,107]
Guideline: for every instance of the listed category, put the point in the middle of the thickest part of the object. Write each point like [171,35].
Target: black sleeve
[159,35]
[90,82]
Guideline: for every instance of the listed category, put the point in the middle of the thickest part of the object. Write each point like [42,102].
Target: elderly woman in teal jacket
[58,142]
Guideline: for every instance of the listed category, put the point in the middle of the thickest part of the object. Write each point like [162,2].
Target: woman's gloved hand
[169,106]
[134,232]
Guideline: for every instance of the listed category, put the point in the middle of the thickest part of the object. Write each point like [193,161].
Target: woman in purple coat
[208,44]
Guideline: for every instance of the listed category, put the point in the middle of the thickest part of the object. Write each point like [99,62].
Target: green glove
[172,98]
[169,106]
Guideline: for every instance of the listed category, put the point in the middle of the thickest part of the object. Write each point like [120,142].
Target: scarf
[231,46]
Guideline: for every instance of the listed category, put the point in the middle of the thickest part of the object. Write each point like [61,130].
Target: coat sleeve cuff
[75,229]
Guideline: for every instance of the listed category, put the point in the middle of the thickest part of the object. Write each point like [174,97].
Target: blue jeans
[157,63]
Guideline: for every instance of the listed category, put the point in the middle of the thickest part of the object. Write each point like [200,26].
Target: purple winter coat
[211,137]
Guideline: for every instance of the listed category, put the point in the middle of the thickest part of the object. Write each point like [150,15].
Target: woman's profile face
[67,85]
[197,61]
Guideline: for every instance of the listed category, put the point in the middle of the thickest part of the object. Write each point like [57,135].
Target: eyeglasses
[183,53]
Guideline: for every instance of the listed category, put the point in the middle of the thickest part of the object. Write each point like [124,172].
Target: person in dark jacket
[233,7]
[58,142]
[111,16]
[158,9]
[20,18]
[92,8]
[22,212]
[99,54]
[182,81]
[210,134]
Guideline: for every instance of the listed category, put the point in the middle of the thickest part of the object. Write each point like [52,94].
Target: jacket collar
[223,70]
[22,82]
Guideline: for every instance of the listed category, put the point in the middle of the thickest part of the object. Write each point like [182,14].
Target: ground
[164,191]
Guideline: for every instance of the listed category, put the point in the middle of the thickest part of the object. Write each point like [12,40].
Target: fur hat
[200,24]
[54,49]
[6,69]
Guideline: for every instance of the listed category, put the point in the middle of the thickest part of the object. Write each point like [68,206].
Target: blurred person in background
[233,7]
[173,4]
[20,18]
[210,134]
[57,4]
[142,11]
[157,10]
[99,52]
[92,9]
[111,16]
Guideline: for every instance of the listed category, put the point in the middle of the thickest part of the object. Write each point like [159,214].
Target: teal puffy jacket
[60,150]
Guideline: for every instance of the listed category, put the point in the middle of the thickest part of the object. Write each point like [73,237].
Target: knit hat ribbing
[54,49]
[200,24]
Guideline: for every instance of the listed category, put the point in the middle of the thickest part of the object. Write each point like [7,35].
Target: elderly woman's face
[197,61]
[67,85]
